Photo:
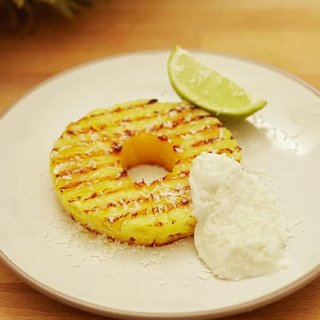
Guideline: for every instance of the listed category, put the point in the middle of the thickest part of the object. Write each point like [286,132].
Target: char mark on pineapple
[116,147]
[204,142]
[151,101]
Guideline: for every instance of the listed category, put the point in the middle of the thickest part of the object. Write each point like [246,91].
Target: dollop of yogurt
[241,231]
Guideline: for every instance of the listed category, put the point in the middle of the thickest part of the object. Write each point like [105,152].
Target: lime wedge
[208,89]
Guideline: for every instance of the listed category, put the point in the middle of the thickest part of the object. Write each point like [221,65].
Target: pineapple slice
[89,164]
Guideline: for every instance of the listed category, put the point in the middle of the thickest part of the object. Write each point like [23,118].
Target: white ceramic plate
[42,244]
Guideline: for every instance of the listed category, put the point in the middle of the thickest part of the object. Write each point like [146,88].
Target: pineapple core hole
[147,172]
[148,157]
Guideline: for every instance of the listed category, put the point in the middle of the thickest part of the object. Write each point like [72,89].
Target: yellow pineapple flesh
[89,164]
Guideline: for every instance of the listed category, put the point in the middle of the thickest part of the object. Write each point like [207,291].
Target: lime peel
[201,85]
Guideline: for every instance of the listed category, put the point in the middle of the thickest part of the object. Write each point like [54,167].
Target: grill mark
[224,150]
[107,138]
[122,174]
[219,151]
[154,210]
[115,147]
[182,192]
[88,182]
[96,232]
[94,115]
[172,135]
[90,129]
[71,185]
[180,121]
[76,171]
[104,192]
[92,196]
[104,139]
[213,126]
[228,150]
[80,156]
[121,109]
[129,133]
[101,127]
[163,137]
[107,192]
[72,169]
[184,173]
[209,141]
[205,141]
[84,143]
[119,203]
[151,117]
[151,101]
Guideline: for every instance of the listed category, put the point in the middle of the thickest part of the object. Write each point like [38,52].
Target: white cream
[241,231]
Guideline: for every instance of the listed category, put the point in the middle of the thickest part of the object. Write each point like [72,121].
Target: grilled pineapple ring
[88,165]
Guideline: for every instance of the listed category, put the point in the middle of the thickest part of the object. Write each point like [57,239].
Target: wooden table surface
[283,33]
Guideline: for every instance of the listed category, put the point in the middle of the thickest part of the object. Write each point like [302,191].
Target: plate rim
[212,314]
[107,311]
